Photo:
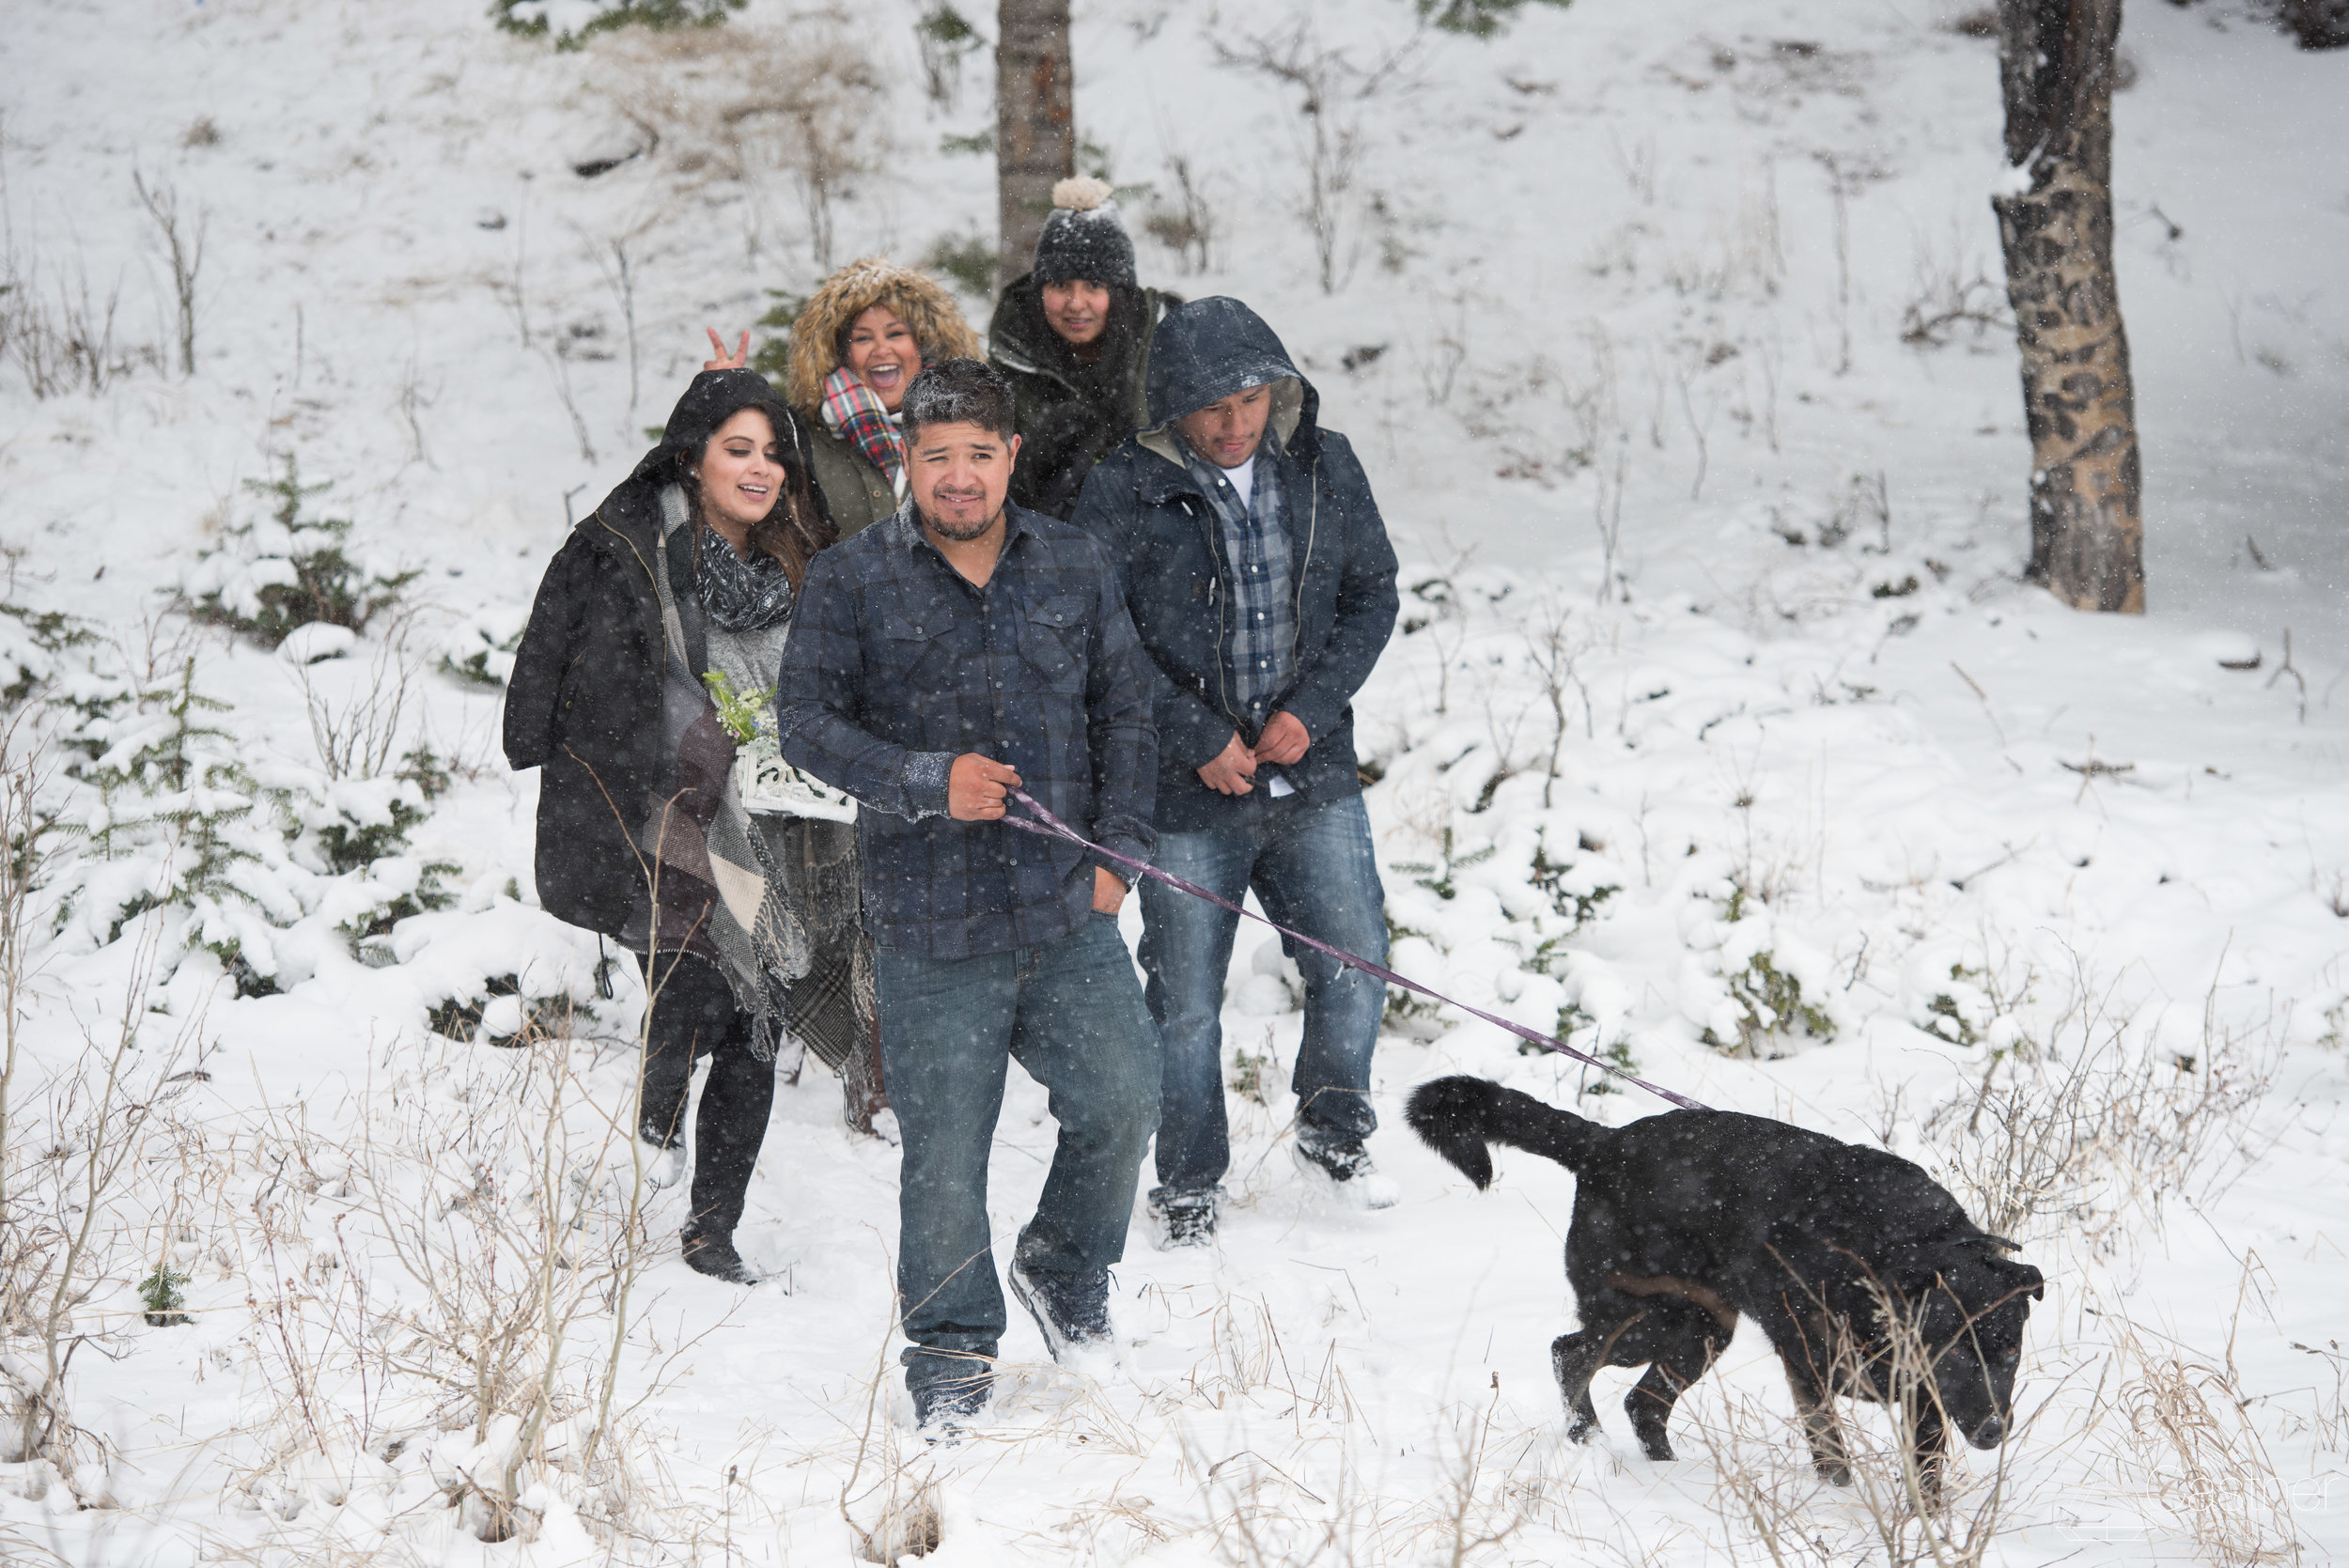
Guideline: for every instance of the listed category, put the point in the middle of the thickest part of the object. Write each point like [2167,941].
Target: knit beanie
[1084,237]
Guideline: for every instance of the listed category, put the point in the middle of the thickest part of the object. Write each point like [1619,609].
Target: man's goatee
[961,535]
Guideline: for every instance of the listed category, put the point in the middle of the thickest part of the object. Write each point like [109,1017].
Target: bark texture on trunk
[2087,534]
[1035,124]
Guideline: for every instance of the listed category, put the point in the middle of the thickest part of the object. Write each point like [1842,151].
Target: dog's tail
[1459,1116]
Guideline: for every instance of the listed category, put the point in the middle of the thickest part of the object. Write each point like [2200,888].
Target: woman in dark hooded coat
[674,594]
[1073,339]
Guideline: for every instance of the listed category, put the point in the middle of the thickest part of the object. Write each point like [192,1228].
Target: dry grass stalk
[2188,1449]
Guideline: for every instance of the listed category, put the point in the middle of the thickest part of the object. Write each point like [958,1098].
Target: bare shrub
[182,239]
[475,1264]
[358,739]
[69,1145]
[61,337]
[732,104]
[1554,647]
[1333,104]
[1909,1509]
[1952,293]
[1186,224]
[2090,1124]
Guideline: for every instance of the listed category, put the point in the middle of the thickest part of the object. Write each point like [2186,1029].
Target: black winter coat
[1162,535]
[584,701]
[1071,414]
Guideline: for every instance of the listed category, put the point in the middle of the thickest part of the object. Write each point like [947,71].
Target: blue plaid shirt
[1264,610]
[897,664]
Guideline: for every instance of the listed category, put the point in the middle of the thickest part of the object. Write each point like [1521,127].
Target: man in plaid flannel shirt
[960,647]
[1257,569]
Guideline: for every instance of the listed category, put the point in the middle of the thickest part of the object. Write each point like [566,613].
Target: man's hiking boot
[943,1411]
[1345,1170]
[1072,1312]
[1185,1218]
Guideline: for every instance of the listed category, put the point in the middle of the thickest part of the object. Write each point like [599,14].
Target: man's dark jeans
[1072,1014]
[1314,869]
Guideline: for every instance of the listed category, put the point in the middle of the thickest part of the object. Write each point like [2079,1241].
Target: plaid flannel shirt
[1264,610]
[897,664]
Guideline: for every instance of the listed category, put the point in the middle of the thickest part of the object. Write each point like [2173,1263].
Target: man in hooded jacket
[1258,573]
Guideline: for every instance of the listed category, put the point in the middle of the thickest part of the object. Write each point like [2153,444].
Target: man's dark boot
[1072,1312]
[1185,1218]
[944,1409]
[1344,1170]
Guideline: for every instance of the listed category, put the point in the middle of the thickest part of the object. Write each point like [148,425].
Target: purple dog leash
[1046,825]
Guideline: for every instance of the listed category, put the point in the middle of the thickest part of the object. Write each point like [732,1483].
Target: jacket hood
[1204,349]
[920,301]
[714,397]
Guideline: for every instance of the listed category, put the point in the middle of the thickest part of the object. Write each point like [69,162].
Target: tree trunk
[1035,124]
[2086,535]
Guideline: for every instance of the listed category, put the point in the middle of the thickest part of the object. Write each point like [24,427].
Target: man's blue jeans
[1314,869]
[1071,1013]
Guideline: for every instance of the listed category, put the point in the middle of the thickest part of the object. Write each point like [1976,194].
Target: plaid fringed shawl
[777,909]
[852,411]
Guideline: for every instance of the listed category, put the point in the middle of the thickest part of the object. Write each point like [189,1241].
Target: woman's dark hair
[799,524]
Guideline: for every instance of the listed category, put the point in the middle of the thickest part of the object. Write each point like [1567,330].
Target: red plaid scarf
[852,411]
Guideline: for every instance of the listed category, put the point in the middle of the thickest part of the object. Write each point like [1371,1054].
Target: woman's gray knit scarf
[739,594]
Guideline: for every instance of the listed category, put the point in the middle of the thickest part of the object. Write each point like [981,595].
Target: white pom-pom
[1083,193]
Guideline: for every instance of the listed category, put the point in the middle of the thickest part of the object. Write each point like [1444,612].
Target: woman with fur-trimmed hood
[856,346]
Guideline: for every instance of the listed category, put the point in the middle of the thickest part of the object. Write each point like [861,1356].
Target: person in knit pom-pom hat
[1073,339]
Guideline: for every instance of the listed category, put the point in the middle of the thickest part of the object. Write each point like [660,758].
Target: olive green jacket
[855,491]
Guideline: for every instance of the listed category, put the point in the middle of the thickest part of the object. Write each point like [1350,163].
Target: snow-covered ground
[2063,896]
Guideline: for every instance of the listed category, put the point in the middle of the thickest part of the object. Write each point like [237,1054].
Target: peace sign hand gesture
[738,360]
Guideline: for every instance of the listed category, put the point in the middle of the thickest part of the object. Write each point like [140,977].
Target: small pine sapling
[160,1291]
[529,18]
[299,576]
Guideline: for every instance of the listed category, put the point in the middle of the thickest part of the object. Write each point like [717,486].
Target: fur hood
[920,301]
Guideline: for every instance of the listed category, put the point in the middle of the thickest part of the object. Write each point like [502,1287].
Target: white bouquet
[762,781]
[767,784]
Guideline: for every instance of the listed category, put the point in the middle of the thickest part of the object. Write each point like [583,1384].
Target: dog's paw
[1580,1431]
[1835,1472]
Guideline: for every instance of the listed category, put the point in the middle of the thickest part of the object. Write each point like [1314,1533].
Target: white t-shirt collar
[1243,479]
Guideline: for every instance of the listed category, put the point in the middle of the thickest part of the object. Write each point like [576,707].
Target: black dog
[1685,1221]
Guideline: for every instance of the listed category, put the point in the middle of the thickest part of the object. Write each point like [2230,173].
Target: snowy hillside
[1719,734]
